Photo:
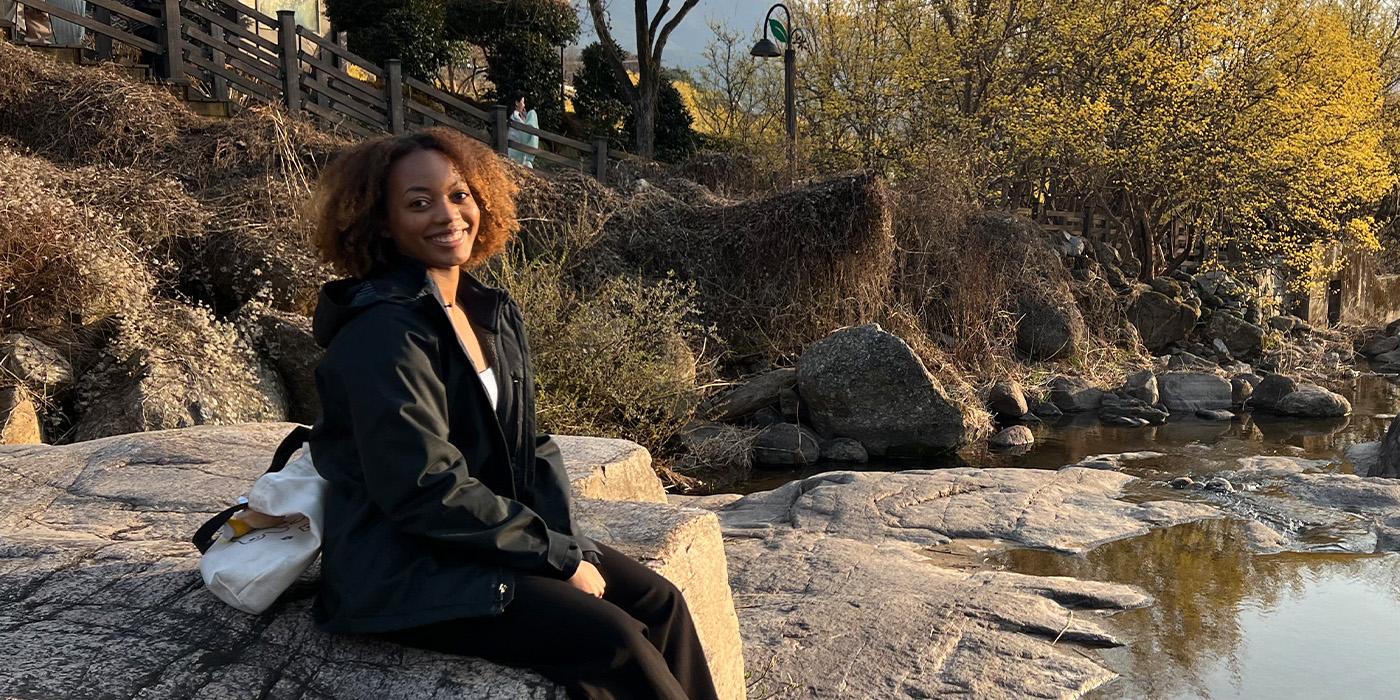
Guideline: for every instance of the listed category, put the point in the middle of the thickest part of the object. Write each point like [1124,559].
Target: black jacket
[435,501]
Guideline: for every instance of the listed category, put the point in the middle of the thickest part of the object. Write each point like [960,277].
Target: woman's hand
[588,579]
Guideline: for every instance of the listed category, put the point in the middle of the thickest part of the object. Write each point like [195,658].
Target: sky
[686,44]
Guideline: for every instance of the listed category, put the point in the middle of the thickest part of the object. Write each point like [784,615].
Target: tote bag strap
[208,532]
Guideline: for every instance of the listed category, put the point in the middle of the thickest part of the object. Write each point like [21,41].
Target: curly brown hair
[350,209]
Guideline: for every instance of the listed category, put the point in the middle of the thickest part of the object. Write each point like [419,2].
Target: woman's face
[432,215]
[520,105]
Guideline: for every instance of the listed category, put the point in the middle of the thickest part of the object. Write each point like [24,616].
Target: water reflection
[1209,634]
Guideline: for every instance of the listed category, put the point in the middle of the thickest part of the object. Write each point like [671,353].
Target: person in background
[520,115]
[35,23]
[64,33]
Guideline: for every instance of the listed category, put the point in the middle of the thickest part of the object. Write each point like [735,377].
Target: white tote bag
[251,571]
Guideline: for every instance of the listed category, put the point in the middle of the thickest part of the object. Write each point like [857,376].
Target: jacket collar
[406,279]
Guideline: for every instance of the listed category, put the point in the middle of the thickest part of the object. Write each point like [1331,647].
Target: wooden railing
[1086,223]
[240,54]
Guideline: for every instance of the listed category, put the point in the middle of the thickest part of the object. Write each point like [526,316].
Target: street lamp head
[765,49]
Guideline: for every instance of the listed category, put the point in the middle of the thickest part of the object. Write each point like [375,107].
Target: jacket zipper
[484,400]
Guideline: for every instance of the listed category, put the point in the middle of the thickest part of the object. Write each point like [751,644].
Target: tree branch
[600,25]
[670,27]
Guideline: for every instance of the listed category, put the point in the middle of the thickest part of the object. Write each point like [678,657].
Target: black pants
[637,642]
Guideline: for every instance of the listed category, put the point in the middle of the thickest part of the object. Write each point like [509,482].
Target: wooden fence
[1080,223]
[237,53]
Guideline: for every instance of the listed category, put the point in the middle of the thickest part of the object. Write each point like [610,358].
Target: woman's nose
[445,211]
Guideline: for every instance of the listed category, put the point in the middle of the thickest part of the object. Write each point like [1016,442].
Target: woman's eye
[461,196]
[418,204]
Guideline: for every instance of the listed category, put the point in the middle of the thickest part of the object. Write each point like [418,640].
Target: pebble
[1183,482]
[1220,485]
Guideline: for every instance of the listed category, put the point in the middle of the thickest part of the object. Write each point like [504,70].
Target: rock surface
[103,597]
[19,418]
[1007,399]
[1075,395]
[1309,401]
[786,444]
[1389,463]
[1142,385]
[1241,338]
[844,450]
[610,470]
[285,341]
[1161,320]
[41,369]
[755,393]
[866,384]
[1047,329]
[1014,436]
[1188,392]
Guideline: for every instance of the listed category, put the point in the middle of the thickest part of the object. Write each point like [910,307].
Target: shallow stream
[1320,621]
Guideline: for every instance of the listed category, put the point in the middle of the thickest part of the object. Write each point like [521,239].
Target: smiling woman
[448,521]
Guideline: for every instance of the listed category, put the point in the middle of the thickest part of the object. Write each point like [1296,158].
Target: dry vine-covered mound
[774,273]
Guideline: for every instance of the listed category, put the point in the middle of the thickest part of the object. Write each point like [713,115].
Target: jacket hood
[404,281]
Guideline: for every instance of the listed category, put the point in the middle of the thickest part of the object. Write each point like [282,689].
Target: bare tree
[652,33]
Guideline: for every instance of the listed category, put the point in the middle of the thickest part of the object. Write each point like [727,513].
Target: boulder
[1188,392]
[96,556]
[1014,436]
[19,418]
[610,470]
[1007,400]
[1271,390]
[1161,320]
[41,369]
[1142,385]
[174,370]
[1215,415]
[751,395]
[1387,362]
[786,444]
[1389,463]
[1283,324]
[284,340]
[1380,345]
[1048,330]
[1117,409]
[1167,287]
[1242,388]
[844,450]
[1046,409]
[1183,360]
[1241,338]
[1074,395]
[868,385]
[1393,328]
[1309,401]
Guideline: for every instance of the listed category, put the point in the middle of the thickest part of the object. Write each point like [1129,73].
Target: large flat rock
[612,470]
[1070,510]
[102,597]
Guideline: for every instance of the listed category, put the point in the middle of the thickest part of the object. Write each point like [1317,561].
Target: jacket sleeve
[552,493]
[398,408]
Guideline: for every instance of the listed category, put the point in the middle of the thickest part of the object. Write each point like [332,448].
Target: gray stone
[1007,399]
[1389,463]
[1167,287]
[1309,401]
[285,341]
[866,384]
[844,450]
[1142,385]
[41,369]
[1241,338]
[1271,390]
[1258,466]
[1126,410]
[1014,436]
[1048,329]
[1242,388]
[750,396]
[611,470]
[1365,458]
[790,404]
[1283,324]
[1184,360]
[1220,485]
[1188,392]
[1393,328]
[1046,409]
[1215,415]
[786,444]
[1118,421]
[96,556]
[1183,482]
[1379,345]
[1374,500]
[1074,395]
[1161,320]
[1069,510]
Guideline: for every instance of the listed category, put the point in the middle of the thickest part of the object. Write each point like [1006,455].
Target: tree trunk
[644,114]
[1147,247]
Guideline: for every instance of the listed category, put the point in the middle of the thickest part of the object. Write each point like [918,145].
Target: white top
[488,380]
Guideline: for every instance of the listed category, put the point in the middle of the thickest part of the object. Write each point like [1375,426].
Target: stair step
[210,108]
[62,54]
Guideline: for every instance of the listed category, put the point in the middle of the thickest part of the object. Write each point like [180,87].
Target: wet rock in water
[1389,463]
[1125,421]
[19,419]
[1074,395]
[1014,436]
[786,444]
[1278,465]
[1046,410]
[1366,458]
[1310,401]
[1379,345]
[1048,329]
[1264,539]
[1221,415]
[816,606]
[1183,482]
[753,394]
[1242,388]
[1271,390]
[1387,362]
[1161,320]
[1219,485]
[866,384]
[1241,338]
[1123,410]
[1103,462]
[1188,392]
[1142,385]
[844,450]
[41,369]
[1007,399]
[1375,500]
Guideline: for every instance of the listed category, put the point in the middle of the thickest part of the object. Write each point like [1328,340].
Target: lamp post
[767,49]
